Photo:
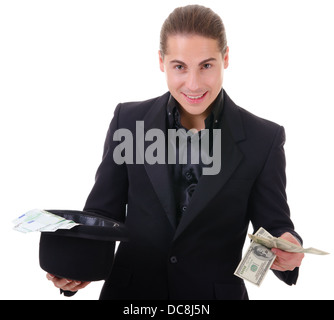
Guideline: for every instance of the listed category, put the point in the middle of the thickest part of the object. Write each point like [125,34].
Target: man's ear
[226,57]
[161,62]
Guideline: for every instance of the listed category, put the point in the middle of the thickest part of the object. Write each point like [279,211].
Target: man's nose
[193,81]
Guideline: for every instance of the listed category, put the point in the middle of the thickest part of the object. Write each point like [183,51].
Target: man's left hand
[287,261]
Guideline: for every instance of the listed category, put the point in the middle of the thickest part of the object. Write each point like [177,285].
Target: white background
[64,66]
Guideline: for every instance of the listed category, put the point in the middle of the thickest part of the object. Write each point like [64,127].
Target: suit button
[173,259]
[188,175]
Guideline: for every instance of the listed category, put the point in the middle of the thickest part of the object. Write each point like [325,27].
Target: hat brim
[92,226]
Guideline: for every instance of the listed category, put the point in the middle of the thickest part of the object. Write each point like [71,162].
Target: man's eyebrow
[201,63]
[178,62]
[207,60]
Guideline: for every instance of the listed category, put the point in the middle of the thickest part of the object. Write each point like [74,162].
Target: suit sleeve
[109,194]
[268,202]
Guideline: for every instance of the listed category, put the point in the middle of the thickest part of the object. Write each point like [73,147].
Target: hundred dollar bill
[256,262]
[273,242]
[41,220]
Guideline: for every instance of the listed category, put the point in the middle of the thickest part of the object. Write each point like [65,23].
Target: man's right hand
[66,284]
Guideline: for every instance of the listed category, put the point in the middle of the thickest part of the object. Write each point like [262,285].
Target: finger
[66,284]
[277,265]
[75,285]
[61,283]
[71,286]
[49,276]
[285,267]
[289,258]
[53,278]
[289,262]
[81,285]
[282,254]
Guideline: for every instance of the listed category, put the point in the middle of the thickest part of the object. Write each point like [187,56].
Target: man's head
[193,54]
[193,20]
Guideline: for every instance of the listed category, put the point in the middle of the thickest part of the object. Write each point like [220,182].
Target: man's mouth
[195,98]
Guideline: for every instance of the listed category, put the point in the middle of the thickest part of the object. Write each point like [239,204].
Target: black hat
[85,252]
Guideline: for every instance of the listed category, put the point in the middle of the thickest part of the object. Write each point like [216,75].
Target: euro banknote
[41,220]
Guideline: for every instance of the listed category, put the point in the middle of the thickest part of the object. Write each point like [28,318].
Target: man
[187,228]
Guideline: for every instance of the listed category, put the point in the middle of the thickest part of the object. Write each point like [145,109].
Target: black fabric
[83,253]
[76,258]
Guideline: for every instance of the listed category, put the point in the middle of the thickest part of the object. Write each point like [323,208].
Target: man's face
[194,68]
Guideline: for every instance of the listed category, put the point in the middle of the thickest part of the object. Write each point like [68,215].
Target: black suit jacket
[197,258]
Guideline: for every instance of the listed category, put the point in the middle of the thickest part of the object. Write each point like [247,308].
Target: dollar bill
[259,258]
[257,261]
[41,220]
[273,242]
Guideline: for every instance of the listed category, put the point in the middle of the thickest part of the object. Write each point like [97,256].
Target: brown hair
[193,20]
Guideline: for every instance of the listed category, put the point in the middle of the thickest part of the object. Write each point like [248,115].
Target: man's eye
[179,67]
[207,66]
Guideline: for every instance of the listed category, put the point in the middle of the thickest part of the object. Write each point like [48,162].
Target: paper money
[259,258]
[257,261]
[272,242]
[41,220]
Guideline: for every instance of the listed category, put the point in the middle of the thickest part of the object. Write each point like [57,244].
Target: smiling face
[194,68]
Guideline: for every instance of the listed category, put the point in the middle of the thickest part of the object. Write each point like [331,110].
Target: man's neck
[190,121]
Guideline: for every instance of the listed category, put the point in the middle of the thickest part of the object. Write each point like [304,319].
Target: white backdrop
[66,64]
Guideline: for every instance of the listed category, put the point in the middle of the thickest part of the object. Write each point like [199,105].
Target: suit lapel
[159,173]
[209,185]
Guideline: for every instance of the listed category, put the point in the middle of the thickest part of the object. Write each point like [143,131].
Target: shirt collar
[211,121]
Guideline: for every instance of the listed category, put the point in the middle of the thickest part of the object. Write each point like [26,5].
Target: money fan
[85,252]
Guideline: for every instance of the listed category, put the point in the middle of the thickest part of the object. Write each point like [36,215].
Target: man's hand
[66,284]
[287,261]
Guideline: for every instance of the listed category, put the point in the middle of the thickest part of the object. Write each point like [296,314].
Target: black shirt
[186,173]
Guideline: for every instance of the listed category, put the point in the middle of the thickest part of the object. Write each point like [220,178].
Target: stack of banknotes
[41,220]
[259,258]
